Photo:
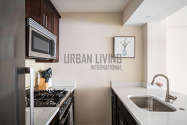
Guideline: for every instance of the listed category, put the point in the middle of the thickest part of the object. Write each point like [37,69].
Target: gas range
[46,98]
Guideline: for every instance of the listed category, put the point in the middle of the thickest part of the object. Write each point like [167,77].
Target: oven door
[41,45]
[66,119]
[71,115]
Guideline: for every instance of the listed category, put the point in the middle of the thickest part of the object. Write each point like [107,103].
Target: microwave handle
[31,72]
[46,20]
[43,20]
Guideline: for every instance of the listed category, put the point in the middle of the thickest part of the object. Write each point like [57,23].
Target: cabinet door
[56,32]
[123,115]
[56,24]
[47,11]
[33,10]
[114,109]
[122,120]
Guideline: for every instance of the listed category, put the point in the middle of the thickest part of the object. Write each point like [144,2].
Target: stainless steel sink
[152,104]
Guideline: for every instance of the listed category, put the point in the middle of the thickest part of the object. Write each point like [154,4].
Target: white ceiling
[148,11]
[89,5]
[152,10]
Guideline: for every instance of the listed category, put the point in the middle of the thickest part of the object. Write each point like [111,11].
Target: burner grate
[47,98]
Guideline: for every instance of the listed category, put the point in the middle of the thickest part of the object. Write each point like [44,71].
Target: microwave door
[40,45]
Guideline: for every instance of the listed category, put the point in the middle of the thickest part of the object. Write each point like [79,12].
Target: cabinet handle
[43,21]
[121,122]
[46,21]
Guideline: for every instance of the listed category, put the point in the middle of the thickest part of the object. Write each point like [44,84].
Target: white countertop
[144,117]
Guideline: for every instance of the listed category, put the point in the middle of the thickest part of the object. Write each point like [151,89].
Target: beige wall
[144,35]
[92,33]
[154,35]
[156,49]
[176,50]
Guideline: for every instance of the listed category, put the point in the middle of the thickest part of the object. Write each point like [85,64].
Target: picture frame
[124,46]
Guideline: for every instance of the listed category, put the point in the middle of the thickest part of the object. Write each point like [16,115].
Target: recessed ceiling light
[147,16]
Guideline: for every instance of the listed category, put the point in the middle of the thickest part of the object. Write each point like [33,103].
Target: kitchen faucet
[168,96]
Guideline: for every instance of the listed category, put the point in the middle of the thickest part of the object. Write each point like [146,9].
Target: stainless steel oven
[40,43]
[66,113]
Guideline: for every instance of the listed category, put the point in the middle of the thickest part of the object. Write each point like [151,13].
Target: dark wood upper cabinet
[43,12]
[33,10]
[56,24]
[56,32]
[47,11]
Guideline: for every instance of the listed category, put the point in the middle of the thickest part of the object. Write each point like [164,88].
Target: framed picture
[124,46]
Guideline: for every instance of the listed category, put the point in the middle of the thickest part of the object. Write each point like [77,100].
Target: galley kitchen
[93,62]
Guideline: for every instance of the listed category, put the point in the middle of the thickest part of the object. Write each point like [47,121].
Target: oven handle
[63,120]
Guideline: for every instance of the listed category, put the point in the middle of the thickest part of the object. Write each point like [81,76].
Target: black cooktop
[47,98]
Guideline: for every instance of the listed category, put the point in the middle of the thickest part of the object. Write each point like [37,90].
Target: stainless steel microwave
[40,43]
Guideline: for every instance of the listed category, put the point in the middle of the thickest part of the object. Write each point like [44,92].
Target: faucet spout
[168,96]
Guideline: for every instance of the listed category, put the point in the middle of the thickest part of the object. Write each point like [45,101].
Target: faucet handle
[173,98]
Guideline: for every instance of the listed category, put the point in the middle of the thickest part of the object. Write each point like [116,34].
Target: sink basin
[152,104]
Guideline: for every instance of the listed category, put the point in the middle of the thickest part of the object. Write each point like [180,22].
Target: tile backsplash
[35,66]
